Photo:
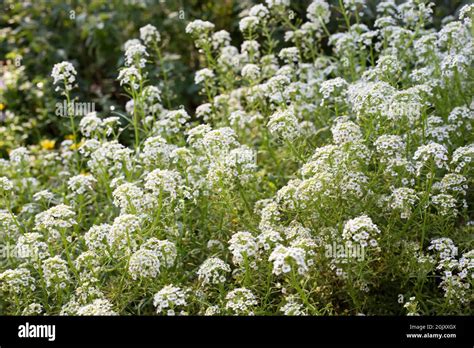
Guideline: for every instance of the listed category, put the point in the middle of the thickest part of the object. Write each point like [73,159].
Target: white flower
[144,263]
[462,157]
[89,124]
[167,182]
[248,23]
[241,301]
[259,11]
[5,184]
[289,55]
[20,156]
[98,307]
[81,184]
[149,34]
[445,204]
[361,230]
[64,73]
[164,249]
[130,76]
[286,259]
[168,299]
[277,3]
[346,131]
[123,231]
[243,246]
[55,273]
[293,307]
[403,199]
[213,271]
[431,152]
[319,10]
[204,75]
[32,309]
[220,39]
[55,219]
[199,28]
[284,124]
[135,56]
[16,281]
[251,72]
[96,237]
[128,197]
[30,247]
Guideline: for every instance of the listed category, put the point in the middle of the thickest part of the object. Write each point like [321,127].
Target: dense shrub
[321,164]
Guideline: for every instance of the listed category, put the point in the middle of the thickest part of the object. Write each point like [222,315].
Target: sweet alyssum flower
[169,299]
[318,11]
[144,263]
[130,76]
[293,307]
[277,3]
[431,153]
[167,182]
[249,23]
[259,11]
[135,56]
[241,301]
[33,309]
[403,199]
[5,184]
[361,230]
[445,204]
[56,273]
[20,156]
[149,34]
[346,131]
[283,123]
[123,230]
[286,259]
[220,39]
[462,157]
[170,214]
[251,72]
[164,249]
[128,197]
[30,246]
[204,75]
[213,271]
[199,28]
[243,246]
[96,237]
[80,184]
[97,307]
[8,225]
[64,74]
[55,219]
[17,281]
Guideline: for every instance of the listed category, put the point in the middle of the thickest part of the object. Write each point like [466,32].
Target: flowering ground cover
[327,170]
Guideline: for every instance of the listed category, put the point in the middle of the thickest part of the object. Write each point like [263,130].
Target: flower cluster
[317,164]
[169,299]
[241,301]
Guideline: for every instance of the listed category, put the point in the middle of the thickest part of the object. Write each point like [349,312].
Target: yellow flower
[76,146]
[47,144]
[69,137]
[2,106]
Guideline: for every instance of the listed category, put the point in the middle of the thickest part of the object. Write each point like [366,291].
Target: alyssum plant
[232,212]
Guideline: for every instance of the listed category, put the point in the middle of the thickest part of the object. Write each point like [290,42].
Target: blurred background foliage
[34,35]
